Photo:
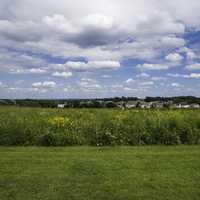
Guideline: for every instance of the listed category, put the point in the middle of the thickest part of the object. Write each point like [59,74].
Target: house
[177,106]
[145,105]
[157,104]
[121,105]
[182,106]
[185,106]
[194,105]
[131,104]
[61,106]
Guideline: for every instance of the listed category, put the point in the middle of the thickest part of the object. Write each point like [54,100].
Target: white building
[60,105]
[195,106]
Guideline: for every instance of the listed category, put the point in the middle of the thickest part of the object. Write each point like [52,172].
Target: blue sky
[107,48]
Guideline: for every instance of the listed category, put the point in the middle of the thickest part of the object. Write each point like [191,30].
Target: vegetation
[64,127]
[97,103]
[91,173]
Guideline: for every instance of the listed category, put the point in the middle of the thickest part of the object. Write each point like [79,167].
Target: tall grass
[56,127]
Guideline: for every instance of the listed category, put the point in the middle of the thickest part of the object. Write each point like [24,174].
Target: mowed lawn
[106,173]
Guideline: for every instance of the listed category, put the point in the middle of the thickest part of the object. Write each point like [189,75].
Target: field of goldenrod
[57,127]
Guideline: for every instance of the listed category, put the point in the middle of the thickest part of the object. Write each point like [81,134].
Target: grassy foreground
[97,127]
[106,173]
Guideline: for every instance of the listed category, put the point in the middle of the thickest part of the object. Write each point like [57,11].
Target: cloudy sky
[93,48]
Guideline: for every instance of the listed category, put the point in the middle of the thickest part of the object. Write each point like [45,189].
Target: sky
[98,49]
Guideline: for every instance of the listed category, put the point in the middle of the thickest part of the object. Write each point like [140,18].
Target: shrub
[55,127]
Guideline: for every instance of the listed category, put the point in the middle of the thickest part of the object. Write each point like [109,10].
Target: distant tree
[76,104]
[138,104]
[110,104]
[97,104]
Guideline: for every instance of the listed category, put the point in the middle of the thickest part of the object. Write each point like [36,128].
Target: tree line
[94,103]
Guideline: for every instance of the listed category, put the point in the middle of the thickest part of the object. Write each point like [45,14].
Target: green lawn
[107,173]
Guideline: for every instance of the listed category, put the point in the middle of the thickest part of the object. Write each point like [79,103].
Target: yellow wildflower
[59,121]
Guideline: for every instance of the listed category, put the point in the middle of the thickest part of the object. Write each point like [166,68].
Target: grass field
[106,173]
[97,127]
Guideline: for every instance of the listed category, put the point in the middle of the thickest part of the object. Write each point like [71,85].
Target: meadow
[97,127]
[100,173]
[109,154]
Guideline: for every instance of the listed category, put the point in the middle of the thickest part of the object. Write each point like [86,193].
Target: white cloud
[89,85]
[147,83]
[174,57]
[158,78]
[176,85]
[3,85]
[192,75]
[44,85]
[91,25]
[29,71]
[172,41]
[176,75]
[128,89]
[105,33]
[98,21]
[60,23]
[143,75]
[76,65]
[184,11]
[139,10]
[190,54]
[62,74]
[92,65]
[66,89]
[195,66]
[148,66]
[130,80]
[106,76]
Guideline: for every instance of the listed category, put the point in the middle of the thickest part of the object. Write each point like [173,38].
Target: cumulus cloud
[21,63]
[62,74]
[92,65]
[174,57]
[98,21]
[89,85]
[44,85]
[147,83]
[190,54]
[195,66]
[106,76]
[172,41]
[90,25]
[21,31]
[58,22]
[158,78]
[130,80]
[58,38]
[192,75]
[149,66]
[29,71]
[143,75]
[177,85]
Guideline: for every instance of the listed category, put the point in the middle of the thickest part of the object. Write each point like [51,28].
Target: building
[182,106]
[61,106]
[195,105]
[131,104]
[145,105]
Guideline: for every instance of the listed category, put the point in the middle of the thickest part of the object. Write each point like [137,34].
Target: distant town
[180,102]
